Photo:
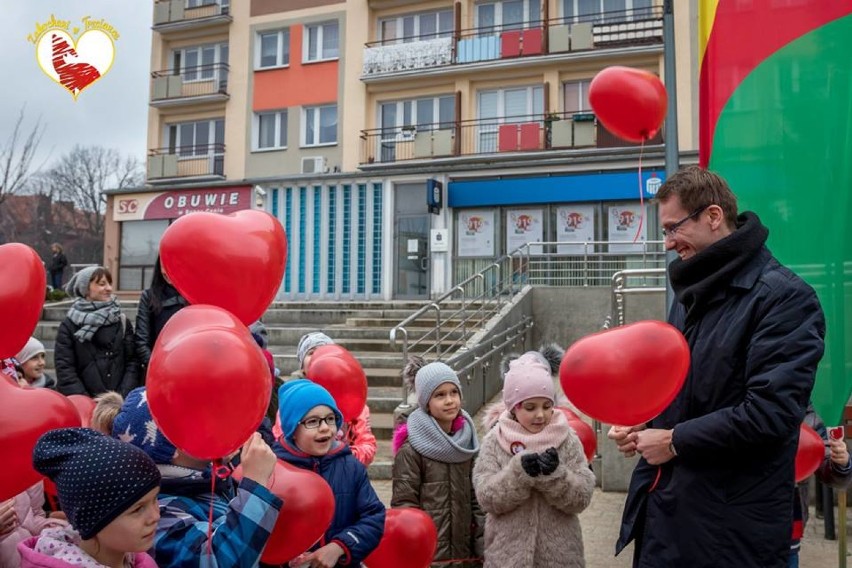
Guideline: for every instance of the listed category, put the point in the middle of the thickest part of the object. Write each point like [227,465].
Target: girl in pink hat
[532,478]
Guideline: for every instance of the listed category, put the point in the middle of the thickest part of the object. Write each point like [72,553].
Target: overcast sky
[112,112]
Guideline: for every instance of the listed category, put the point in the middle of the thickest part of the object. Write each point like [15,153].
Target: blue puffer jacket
[359,516]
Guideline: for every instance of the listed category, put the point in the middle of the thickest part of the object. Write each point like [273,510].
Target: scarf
[429,440]
[91,316]
[514,438]
[697,279]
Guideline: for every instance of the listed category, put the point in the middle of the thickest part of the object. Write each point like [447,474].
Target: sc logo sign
[128,206]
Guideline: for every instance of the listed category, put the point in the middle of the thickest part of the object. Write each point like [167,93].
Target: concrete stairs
[362,327]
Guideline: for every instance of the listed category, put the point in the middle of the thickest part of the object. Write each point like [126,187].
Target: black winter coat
[149,325]
[726,500]
[58,262]
[106,363]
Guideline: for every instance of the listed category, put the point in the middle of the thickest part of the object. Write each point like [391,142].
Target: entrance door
[412,257]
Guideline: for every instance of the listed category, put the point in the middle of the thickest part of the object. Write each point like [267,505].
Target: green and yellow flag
[776,121]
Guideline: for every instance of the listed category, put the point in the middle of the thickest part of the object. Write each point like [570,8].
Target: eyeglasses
[314,422]
[672,229]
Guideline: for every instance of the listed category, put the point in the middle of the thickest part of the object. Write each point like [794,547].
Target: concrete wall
[564,315]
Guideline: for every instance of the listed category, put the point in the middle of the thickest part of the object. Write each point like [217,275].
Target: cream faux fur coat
[532,522]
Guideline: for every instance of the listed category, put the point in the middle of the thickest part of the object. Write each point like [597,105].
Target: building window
[201,138]
[271,130]
[507,106]
[273,49]
[508,15]
[416,27]
[425,114]
[606,10]
[288,226]
[140,245]
[321,42]
[576,96]
[332,238]
[200,62]
[377,238]
[320,126]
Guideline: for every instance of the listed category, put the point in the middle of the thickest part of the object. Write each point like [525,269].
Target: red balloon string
[641,194]
[220,471]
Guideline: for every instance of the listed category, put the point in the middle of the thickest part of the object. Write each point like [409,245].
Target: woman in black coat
[94,350]
[58,262]
[156,306]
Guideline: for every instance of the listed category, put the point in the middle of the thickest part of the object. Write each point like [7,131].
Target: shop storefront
[136,222]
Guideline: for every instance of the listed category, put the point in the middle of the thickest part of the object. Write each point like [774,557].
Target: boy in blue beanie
[243,515]
[309,423]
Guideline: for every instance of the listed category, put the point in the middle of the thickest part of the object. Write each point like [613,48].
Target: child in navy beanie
[108,490]
[243,516]
[309,421]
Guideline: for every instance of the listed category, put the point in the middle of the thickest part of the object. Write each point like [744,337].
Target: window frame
[500,26]
[218,59]
[178,143]
[317,126]
[282,55]
[278,130]
[320,26]
[582,96]
[398,25]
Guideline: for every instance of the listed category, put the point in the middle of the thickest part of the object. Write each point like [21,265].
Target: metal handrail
[620,289]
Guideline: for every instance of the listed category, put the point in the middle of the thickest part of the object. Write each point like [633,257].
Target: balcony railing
[524,133]
[203,160]
[600,30]
[206,82]
[179,14]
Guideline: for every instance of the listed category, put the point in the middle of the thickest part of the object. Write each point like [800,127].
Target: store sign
[174,204]
[575,223]
[524,226]
[475,234]
[628,228]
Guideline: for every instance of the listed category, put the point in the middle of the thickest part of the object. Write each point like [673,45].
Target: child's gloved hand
[548,461]
[530,464]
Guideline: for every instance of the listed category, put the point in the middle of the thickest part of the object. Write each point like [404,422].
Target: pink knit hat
[527,378]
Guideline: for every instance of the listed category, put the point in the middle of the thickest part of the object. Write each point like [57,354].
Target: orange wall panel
[296,85]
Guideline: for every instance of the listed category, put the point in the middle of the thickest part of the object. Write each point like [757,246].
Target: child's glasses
[314,422]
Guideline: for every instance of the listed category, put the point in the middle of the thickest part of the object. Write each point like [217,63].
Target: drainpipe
[672,154]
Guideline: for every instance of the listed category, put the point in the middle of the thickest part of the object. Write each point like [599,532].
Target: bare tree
[81,176]
[16,156]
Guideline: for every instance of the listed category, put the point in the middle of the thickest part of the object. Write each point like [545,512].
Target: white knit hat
[311,341]
[30,350]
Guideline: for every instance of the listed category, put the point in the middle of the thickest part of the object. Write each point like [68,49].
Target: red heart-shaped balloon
[336,369]
[85,407]
[409,540]
[626,375]
[26,414]
[305,515]
[584,432]
[208,383]
[22,289]
[810,453]
[232,261]
[630,103]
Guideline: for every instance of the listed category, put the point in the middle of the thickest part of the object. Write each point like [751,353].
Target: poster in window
[523,226]
[475,233]
[625,221]
[574,224]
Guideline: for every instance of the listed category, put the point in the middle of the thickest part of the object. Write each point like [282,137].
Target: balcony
[588,33]
[201,162]
[180,15]
[199,84]
[494,138]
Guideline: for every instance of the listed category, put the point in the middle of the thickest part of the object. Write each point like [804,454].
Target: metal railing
[453,318]
[196,81]
[182,12]
[186,161]
[581,32]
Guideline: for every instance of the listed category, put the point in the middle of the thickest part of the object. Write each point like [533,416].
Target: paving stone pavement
[600,523]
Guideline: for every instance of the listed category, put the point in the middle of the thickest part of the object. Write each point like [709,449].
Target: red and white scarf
[514,438]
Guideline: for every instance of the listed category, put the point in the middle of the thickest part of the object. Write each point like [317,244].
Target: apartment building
[403,144]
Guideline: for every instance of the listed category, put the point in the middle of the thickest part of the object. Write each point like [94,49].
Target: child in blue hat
[309,423]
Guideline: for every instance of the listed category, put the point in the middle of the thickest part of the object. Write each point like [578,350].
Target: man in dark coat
[714,485]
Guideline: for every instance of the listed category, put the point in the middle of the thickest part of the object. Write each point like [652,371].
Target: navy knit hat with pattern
[97,478]
[135,425]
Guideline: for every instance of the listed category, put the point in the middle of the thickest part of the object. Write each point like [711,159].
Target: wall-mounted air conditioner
[314,165]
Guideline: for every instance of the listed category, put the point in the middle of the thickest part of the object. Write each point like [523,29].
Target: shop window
[140,245]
